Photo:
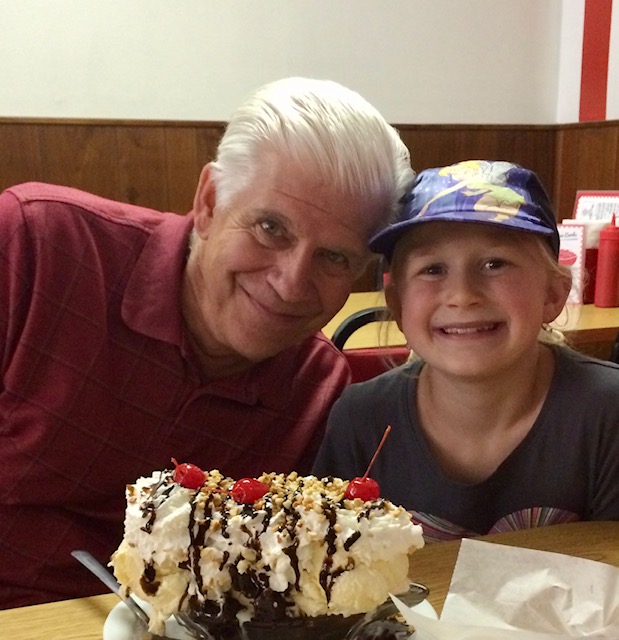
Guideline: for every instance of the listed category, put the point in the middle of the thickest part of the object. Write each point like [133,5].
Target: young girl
[493,428]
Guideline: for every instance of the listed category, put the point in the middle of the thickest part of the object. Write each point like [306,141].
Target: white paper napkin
[500,592]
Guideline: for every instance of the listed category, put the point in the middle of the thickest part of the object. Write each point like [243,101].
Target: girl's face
[471,298]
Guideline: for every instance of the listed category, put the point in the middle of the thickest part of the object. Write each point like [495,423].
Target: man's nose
[292,276]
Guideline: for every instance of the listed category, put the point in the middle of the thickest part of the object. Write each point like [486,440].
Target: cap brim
[384,241]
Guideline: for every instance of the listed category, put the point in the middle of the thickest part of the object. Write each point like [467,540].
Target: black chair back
[356,321]
[368,362]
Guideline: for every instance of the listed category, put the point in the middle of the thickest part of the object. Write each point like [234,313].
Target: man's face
[276,263]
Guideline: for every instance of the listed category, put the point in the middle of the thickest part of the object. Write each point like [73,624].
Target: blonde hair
[549,334]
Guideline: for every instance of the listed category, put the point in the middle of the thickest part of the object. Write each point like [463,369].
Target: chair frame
[614,353]
[354,322]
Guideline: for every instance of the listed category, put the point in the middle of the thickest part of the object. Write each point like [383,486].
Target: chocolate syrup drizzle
[148,582]
[149,508]
[252,584]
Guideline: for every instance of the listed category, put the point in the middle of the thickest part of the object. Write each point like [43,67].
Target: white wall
[570,62]
[419,61]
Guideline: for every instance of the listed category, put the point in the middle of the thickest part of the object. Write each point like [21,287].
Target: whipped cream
[301,550]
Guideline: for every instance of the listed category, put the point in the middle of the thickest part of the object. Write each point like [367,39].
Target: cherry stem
[380,446]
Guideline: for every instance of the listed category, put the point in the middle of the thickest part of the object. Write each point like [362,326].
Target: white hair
[326,128]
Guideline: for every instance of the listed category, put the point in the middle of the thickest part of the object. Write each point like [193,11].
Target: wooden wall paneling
[597,153]
[587,159]
[142,166]
[533,149]
[181,163]
[20,159]
[478,143]
[79,155]
[188,150]
[207,139]
[438,145]
[428,146]
[566,172]
[529,147]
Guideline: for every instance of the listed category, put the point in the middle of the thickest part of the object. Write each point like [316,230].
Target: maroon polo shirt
[100,385]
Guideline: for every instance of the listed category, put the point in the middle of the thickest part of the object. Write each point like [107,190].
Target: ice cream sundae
[260,550]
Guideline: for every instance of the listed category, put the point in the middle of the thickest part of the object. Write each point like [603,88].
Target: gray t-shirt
[566,468]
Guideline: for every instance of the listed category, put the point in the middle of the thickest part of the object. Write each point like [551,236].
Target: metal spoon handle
[94,566]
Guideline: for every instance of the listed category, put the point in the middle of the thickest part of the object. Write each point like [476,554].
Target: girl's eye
[494,263]
[432,270]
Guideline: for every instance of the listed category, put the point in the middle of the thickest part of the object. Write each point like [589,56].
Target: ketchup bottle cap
[611,230]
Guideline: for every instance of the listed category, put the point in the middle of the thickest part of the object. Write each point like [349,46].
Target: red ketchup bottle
[607,272]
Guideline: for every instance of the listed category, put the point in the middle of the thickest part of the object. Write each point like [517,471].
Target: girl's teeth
[465,330]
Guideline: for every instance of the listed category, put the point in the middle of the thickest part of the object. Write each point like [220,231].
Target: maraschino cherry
[188,475]
[248,490]
[366,488]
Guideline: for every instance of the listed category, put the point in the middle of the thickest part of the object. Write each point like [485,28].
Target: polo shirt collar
[152,300]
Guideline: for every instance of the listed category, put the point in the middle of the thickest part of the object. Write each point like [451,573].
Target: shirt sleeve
[16,269]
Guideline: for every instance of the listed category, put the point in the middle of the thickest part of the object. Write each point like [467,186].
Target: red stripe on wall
[595,48]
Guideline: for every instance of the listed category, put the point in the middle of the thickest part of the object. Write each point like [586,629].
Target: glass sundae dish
[381,623]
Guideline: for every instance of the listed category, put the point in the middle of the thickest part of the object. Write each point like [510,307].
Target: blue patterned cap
[497,193]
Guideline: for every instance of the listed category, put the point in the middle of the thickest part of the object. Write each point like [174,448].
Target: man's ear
[394,303]
[205,200]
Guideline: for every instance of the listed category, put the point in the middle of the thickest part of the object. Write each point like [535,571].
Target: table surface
[433,566]
[582,324]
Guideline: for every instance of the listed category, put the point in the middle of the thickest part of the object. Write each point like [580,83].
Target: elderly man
[128,336]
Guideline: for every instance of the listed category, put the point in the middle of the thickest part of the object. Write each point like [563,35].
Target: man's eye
[334,260]
[271,233]
[271,227]
[335,257]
